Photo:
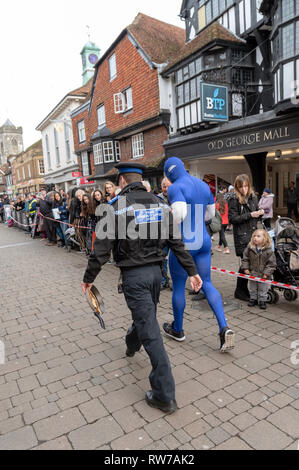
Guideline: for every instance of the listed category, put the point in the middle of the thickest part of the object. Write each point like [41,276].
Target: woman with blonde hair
[243,216]
[259,260]
[109,191]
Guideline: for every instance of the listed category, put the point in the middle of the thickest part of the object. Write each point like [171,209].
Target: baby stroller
[286,248]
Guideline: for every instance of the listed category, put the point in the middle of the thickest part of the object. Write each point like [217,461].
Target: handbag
[216,223]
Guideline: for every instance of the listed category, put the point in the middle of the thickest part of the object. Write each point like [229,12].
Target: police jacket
[243,224]
[139,226]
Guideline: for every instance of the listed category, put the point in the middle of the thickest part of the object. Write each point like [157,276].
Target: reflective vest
[30,207]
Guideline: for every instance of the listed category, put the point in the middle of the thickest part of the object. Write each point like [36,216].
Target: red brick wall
[132,70]
[153,145]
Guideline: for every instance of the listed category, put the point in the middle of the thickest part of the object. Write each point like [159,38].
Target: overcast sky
[40,45]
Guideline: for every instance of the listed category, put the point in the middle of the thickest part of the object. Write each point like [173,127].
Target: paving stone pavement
[67,384]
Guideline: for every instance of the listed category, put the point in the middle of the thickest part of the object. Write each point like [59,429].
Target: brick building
[128,114]
[28,170]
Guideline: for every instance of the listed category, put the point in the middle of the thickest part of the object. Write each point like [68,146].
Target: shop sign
[76,174]
[214,103]
[83,181]
[250,139]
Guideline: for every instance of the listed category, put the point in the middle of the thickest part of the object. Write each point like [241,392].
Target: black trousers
[242,284]
[141,288]
[50,229]
[222,239]
[292,208]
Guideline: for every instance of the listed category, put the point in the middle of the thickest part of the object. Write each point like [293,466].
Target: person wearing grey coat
[260,263]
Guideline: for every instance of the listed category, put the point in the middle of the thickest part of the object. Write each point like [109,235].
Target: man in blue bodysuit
[192,204]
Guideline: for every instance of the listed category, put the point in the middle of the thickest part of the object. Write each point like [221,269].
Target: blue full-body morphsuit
[192,198]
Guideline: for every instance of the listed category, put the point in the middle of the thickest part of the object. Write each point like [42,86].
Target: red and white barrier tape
[254,278]
[23,225]
[64,223]
[218,270]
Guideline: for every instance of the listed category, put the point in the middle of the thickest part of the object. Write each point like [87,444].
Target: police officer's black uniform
[140,261]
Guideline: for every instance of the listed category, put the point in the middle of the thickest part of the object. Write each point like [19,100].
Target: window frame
[81,123]
[39,166]
[56,141]
[117,151]
[138,149]
[112,67]
[98,155]
[102,123]
[108,151]
[85,163]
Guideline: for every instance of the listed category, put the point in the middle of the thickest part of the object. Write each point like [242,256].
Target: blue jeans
[63,229]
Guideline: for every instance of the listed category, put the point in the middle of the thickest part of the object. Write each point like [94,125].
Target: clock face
[93,58]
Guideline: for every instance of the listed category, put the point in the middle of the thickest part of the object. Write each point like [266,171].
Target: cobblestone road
[67,384]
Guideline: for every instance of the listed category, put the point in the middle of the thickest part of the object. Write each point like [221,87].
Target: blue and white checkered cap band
[130,170]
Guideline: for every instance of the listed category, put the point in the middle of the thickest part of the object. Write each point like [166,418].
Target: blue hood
[174,169]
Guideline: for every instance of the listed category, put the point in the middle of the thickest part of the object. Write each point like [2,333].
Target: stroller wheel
[290,295]
[271,297]
[276,299]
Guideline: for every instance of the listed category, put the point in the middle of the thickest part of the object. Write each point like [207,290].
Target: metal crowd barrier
[22,221]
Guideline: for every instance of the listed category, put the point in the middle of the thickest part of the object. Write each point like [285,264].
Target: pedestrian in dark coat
[292,200]
[243,215]
[46,207]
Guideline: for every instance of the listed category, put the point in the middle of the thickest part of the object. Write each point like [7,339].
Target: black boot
[242,292]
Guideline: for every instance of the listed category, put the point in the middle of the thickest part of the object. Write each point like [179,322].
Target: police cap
[125,168]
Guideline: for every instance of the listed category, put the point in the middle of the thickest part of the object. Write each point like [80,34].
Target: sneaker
[252,303]
[226,251]
[263,305]
[227,340]
[169,331]
[168,407]
[218,248]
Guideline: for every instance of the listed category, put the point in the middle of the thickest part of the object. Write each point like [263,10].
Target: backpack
[216,223]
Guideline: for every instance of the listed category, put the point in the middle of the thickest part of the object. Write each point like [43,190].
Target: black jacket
[127,215]
[292,196]
[75,210]
[243,224]
[45,207]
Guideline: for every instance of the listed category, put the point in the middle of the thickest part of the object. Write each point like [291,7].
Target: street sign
[214,103]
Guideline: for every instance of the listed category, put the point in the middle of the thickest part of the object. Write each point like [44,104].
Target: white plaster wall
[49,130]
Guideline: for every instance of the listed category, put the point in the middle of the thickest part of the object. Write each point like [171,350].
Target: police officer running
[137,212]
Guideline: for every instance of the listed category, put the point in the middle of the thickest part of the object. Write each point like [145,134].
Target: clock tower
[90,55]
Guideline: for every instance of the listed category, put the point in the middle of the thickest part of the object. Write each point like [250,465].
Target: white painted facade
[60,159]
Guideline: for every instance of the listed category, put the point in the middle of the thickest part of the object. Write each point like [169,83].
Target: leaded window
[98,154]
[137,146]
[287,10]
[288,40]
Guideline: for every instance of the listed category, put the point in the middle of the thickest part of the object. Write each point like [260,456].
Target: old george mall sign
[254,139]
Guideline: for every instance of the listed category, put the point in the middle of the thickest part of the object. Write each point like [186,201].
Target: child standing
[259,260]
